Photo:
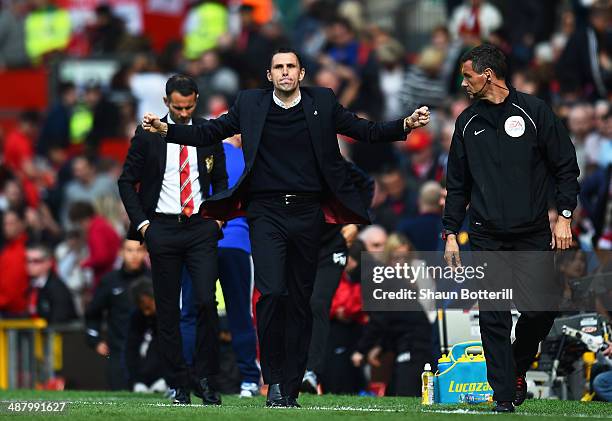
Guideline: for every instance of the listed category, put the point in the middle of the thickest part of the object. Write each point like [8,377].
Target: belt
[288,199]
[178,217]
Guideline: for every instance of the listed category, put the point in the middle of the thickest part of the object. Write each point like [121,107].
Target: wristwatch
[446,233]
[566,213]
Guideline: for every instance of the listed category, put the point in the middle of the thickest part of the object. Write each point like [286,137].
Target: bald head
[429,197]
[374,238]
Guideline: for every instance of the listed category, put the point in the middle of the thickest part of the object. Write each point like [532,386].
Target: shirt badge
[515,126]
[209,160]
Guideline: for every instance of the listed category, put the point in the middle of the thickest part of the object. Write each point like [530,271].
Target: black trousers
[529,275]
[332,260]
[285,246]
[171,245]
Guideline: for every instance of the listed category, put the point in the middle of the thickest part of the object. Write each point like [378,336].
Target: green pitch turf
[113,406]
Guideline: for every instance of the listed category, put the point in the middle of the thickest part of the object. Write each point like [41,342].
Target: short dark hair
[44,248]
[80,211]
[487,56]
[141,286]
[182,84]
[286,50]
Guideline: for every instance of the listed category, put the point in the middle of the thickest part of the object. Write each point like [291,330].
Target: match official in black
[294,178]
[507,151]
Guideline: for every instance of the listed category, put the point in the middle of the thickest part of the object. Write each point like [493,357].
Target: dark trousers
[528,274]
[117,372]
[235,274]
[332,260]
[171,245]
[285,247]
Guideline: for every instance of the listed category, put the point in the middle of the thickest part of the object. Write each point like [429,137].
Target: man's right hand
[451,251]
[144,229]
[152,124]
[102,349]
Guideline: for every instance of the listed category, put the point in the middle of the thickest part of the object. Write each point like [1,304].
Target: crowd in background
[59,204]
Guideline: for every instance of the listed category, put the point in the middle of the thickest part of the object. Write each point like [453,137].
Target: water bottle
[444,363]
[427,386]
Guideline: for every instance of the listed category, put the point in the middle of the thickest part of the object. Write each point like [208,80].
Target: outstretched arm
[347,123]
[211,132]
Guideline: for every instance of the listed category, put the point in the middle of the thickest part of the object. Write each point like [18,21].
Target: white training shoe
[140,388]
[249,390]
[159,386]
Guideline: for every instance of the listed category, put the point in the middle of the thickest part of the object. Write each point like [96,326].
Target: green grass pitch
[113,406]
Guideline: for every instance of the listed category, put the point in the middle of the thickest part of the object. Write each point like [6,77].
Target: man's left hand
[349,232]
[419,118]
[562,237]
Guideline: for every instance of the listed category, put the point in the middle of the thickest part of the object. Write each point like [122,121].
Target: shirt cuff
[142,224]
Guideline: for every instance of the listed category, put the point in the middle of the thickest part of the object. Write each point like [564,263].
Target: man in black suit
[294,179]
[164,210]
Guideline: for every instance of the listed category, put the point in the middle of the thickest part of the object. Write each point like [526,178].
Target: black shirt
[285,161]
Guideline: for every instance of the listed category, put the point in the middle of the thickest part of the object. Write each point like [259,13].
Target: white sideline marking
[115,401]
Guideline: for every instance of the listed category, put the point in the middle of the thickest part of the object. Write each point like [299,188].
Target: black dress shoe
[181,397]
[275,398]
[208,394]
[293,403]
[503,406]
[521,390]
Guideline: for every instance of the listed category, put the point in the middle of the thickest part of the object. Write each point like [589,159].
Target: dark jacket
[505,179]
[325,117]
[55,303]
[143,173]
[112,301]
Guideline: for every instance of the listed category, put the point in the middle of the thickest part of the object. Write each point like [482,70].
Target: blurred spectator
[102,239]
[374,238]
[392,72]
[56,128]
[14,280]
[112,303]
[253,48]
[11,195]
[474,20]
[423,84]
[147,81]
[143,359]
[307,35]
[87,185]
[580,125]
[425,229]
[106,119]
[597,144]
[212,78]
[406,333]
[68,256]
[48,296]
[342,80]
[47,30]
[586,61]
[343,48]
[106,32]
[19,145]
[41,225]
[205,23]
[12,35]
[595,195]
[399,202]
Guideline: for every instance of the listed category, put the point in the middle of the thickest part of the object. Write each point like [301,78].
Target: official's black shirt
[503,161]
[285,162]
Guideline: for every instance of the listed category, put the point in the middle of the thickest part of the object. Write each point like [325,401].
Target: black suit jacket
[325,117]
[143,173]
[55,302]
